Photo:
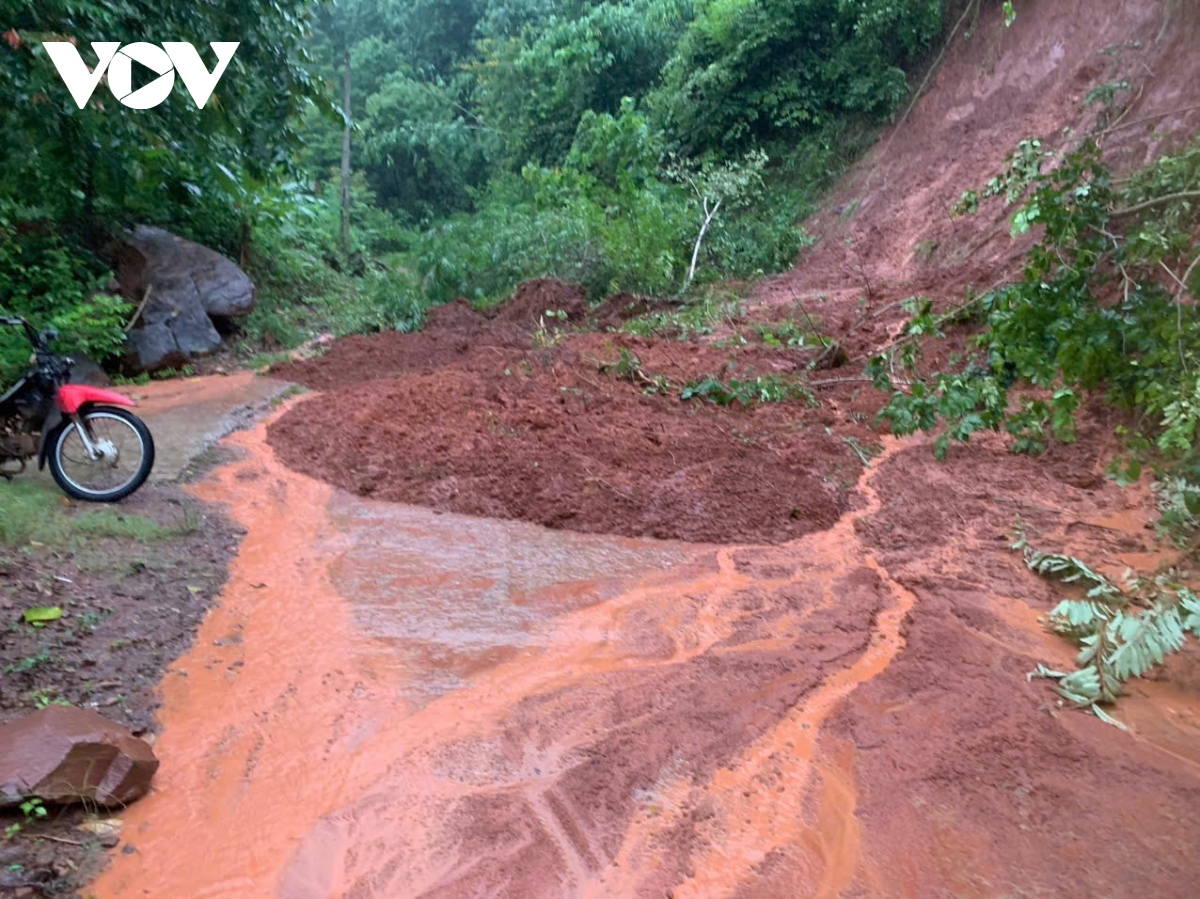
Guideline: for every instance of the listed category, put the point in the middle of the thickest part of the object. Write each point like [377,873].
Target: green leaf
[1107,718]
[43,614]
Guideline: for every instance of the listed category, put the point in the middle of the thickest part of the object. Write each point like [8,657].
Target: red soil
[480,425]
[846,713]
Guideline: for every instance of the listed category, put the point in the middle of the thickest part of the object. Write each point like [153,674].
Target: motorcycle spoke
[113,469]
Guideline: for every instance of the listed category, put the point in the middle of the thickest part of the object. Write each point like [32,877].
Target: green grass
[260,361]
[36,512]
[292,390]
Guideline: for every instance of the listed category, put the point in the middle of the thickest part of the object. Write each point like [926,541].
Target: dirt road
[826,695]
[394,702]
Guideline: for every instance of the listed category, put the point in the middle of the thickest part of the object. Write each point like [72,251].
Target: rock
[106,830]
[62,754]
[88,371]
[192,291]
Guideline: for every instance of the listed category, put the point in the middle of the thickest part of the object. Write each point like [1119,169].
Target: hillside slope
[890,219]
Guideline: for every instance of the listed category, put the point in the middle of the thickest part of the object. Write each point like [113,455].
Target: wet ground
[132,583]
[392,702]
[189,415]
[389,701]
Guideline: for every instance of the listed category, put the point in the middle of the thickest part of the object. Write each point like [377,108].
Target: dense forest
[364,159]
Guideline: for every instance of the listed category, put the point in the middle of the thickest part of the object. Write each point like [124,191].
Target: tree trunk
[344,239]
[709,215]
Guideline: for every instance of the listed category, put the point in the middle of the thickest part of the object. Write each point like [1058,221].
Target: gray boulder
[189,291]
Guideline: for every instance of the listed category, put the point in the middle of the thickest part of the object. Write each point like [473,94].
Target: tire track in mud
[670,731]
[784,750]
[765,795]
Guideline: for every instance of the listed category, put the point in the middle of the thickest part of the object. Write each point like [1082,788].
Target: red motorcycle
[97,450]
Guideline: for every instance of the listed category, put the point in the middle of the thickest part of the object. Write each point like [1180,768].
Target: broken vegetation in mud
[96,603]
[595,431]
[1124,633]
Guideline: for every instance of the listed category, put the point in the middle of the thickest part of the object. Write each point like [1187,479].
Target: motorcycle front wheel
[123,457]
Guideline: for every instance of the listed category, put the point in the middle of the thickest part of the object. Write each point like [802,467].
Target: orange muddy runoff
[390,702]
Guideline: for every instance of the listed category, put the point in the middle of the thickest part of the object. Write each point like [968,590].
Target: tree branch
[1183,288]
[1154,201]
[708,217]
[1150,118]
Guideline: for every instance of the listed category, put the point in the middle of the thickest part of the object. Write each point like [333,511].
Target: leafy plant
[33,810]
[730,183]
[693,318]
[628,367]
[1122,633]
[1179,509]
[746,71]
[748,391]
[1102,306]
[789,334]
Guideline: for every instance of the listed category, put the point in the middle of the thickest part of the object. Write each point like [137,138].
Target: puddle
[444,597]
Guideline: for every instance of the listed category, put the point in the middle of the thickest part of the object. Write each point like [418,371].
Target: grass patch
[261,362]
[37,513]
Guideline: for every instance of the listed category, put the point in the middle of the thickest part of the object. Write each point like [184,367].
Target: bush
[612,218]
[53,283]
[748,71]
[1103,305]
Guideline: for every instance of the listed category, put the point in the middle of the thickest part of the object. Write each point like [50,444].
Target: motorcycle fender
[72,396]
[53,420]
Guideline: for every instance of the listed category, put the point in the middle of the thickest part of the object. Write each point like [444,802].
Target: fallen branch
[140,309]
[1154,201]
[862,379]
[54,839]
[1150,118]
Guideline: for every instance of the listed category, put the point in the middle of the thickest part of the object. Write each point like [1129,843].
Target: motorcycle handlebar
[34,338]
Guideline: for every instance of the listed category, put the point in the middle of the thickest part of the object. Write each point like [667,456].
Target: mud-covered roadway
[505,625]
[396,699]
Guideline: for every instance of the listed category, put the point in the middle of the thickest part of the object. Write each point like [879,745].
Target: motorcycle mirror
[48,336]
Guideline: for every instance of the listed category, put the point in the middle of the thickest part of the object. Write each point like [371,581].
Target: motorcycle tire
[109,416]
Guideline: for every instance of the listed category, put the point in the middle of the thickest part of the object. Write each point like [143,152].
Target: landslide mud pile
[469,416]
[846,712]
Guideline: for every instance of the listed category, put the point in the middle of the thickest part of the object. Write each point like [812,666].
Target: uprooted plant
[628,367]
[748,391]
[1107,302]
[1122,632]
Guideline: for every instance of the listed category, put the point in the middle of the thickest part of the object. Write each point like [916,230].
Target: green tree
[750,71]
[535,87]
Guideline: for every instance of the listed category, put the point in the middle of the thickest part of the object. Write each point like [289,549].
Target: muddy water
[341,618]
[339,705]
[390,702]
